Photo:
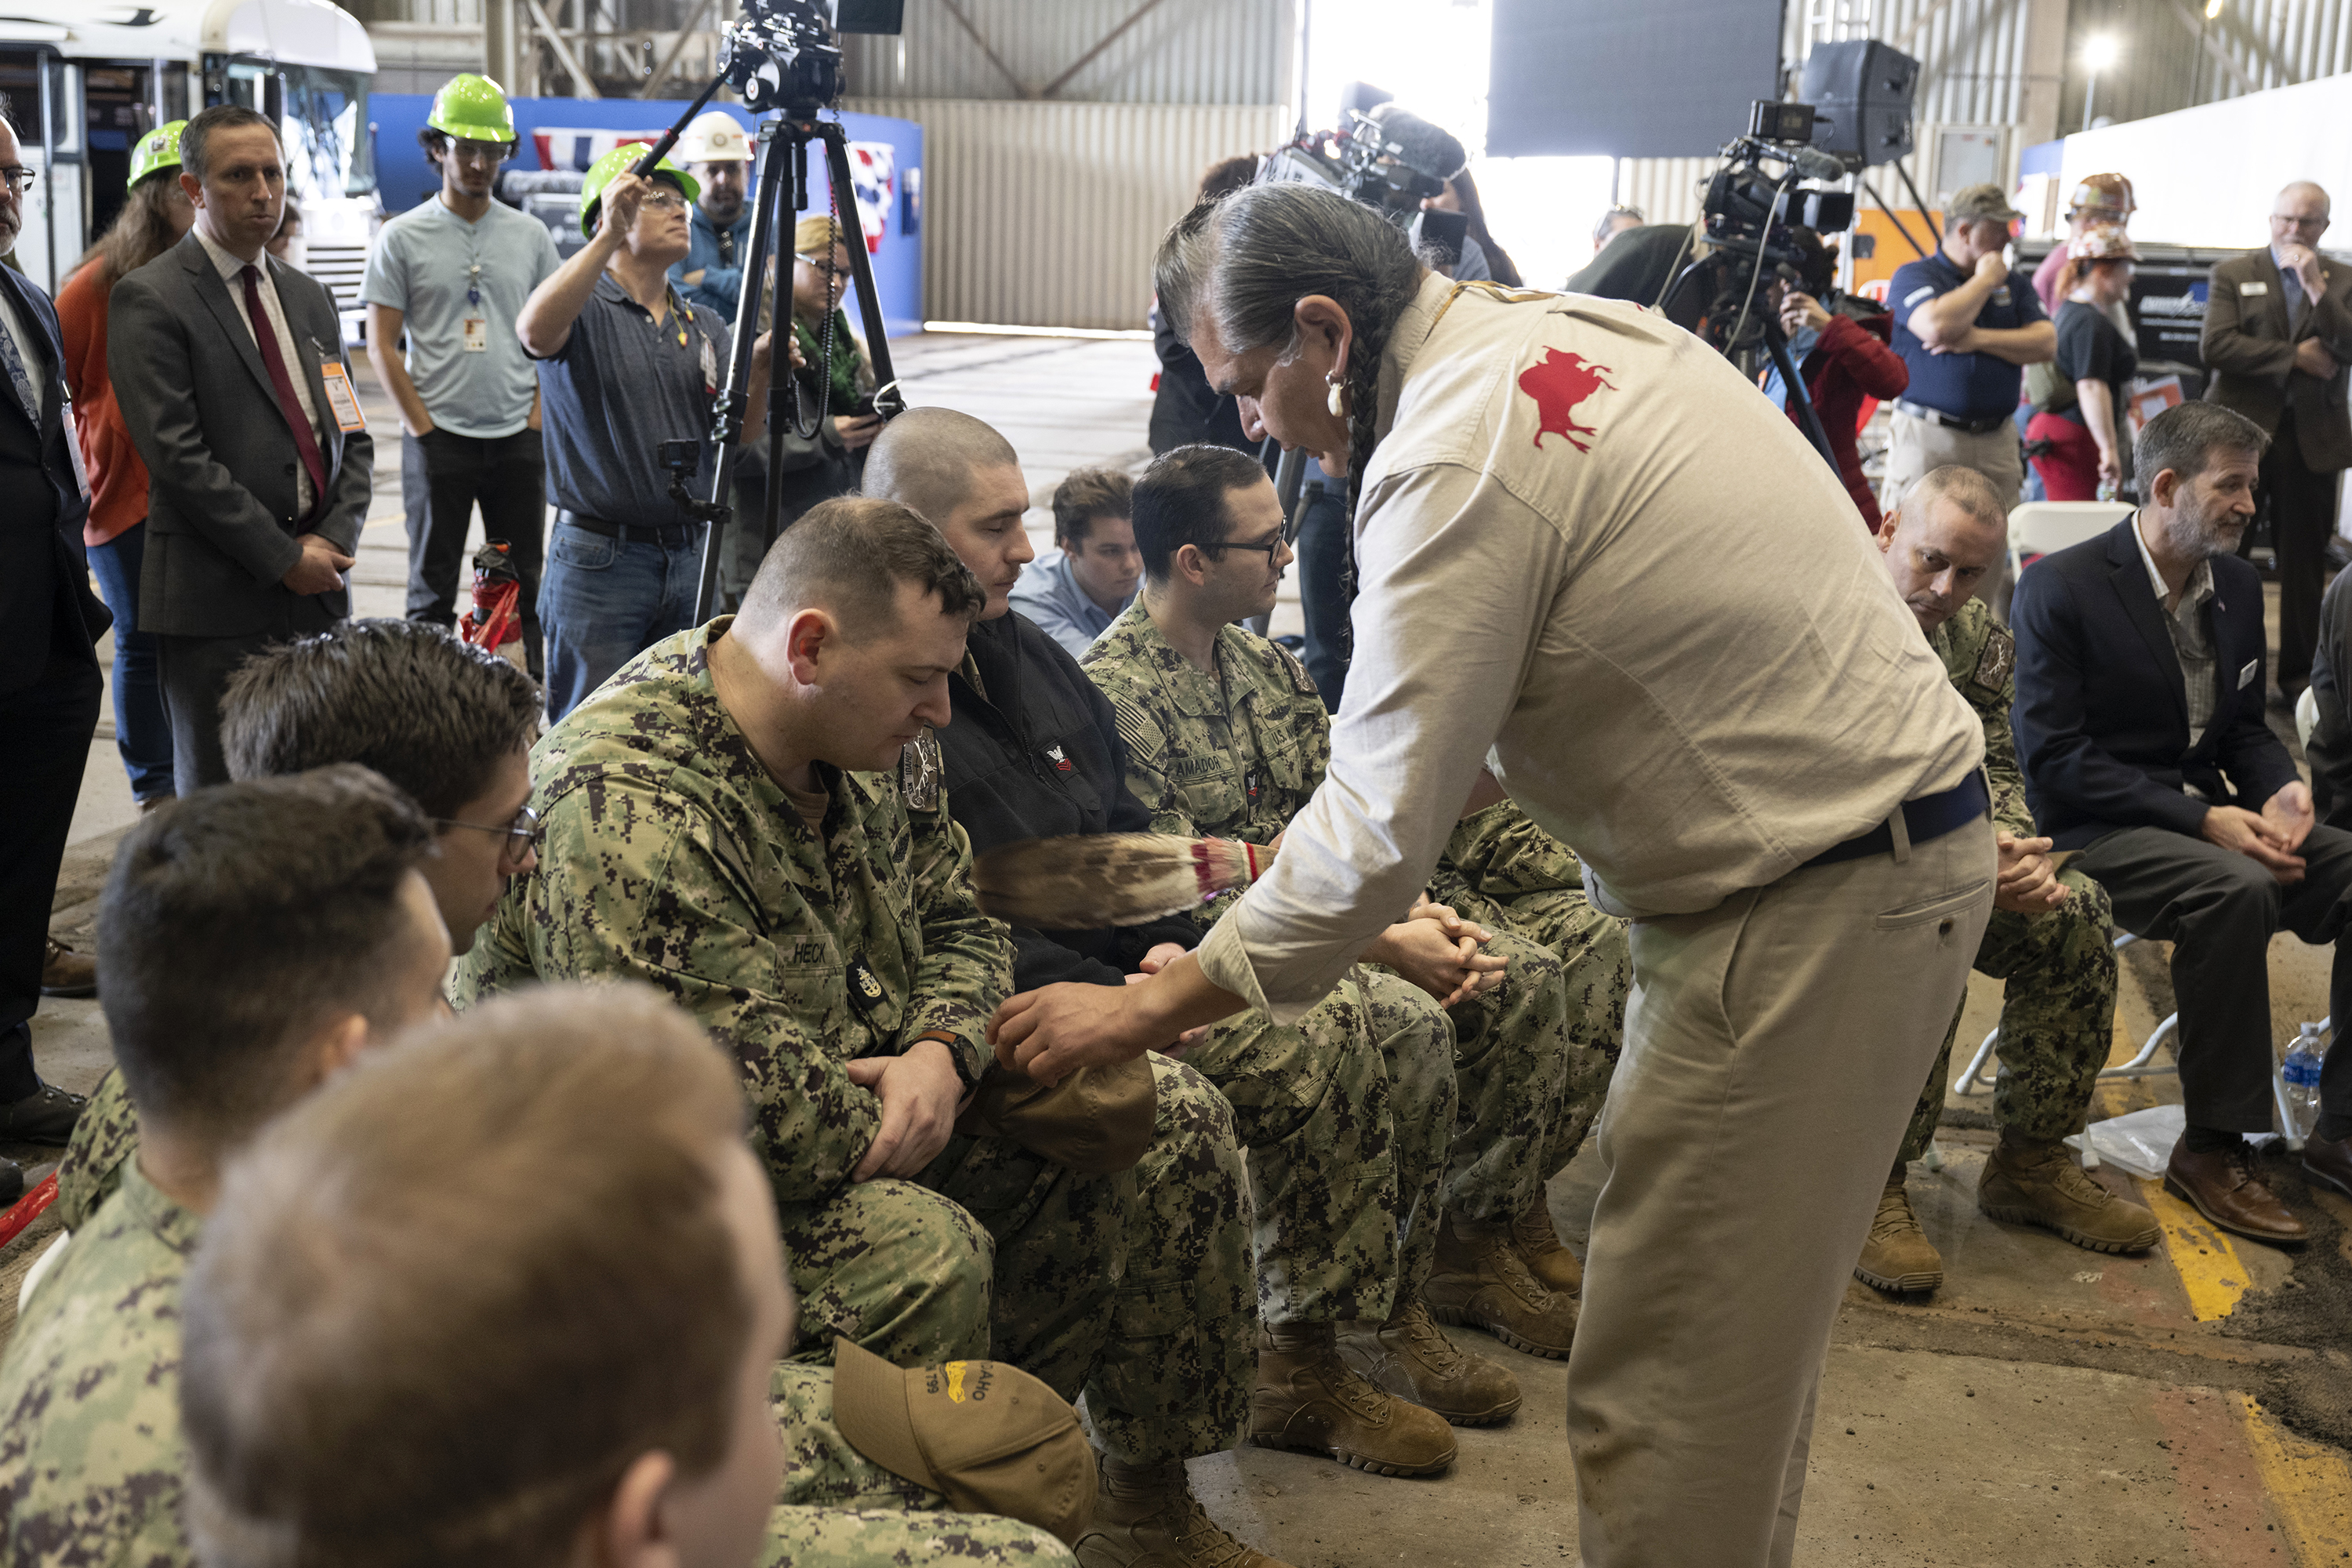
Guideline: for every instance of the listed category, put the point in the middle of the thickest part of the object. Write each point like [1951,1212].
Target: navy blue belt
[1929,816]
[670,535]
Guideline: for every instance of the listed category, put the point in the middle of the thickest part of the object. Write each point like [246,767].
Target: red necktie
[266,336]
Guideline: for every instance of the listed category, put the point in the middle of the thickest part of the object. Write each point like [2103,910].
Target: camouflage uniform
[104,1138]
[669,855]
[2058,1008]
[1506,873]
[889,1538]
[1235,753]
[90,1453]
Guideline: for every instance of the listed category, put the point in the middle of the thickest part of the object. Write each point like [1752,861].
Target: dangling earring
[1337,401]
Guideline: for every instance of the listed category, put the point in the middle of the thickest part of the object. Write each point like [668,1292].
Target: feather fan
[1085,880]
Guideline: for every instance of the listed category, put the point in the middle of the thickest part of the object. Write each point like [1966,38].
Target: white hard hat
[715,136]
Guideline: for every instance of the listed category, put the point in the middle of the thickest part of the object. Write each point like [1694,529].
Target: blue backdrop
[404,177]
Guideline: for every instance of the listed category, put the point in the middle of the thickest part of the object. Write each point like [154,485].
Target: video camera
[1749,210]
[781,53]
[1386,157]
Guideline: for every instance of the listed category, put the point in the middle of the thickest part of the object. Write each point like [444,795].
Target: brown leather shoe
[2330,1162]
[1541,1249]
[1411,1357]
[65,973]
[1307,1398]
[2227,1190]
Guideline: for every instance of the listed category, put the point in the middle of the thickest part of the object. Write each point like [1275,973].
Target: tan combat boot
[1307,1398]
[1542,1250]
[1411,1357]
[2034,1181]
[1146,1517]
[1479,1280]
[1898,1257]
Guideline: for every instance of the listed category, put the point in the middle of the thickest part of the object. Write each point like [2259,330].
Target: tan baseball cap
[1979,203]
[989,1436]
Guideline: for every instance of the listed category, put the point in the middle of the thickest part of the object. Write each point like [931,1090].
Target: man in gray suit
[2278,334]
[229,368]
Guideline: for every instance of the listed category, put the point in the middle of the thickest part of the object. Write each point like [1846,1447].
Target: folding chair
[2040,527]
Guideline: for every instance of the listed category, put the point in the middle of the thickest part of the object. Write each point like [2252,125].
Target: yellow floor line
[2309,1488]
[2201,1253]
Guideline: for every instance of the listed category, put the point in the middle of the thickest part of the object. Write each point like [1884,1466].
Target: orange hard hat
[2109,193]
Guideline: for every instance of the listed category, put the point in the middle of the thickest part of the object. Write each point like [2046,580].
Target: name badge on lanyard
[477,326]
[341,401]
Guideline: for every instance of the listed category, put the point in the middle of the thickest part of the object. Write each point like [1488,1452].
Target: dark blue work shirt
[620,387]
[1966,386]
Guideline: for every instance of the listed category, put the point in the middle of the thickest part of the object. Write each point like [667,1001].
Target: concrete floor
[2048,1407]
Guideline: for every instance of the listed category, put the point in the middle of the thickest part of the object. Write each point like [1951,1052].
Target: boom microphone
[1420,146]
[1812,164]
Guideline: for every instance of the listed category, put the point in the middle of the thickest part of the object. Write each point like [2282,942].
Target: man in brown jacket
[2278,332]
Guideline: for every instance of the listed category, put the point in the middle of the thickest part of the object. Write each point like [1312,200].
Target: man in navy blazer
[2140,724]
[48,674]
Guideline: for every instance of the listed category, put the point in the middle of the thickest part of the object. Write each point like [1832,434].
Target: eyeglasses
[518,834]
[481,152]
[19,178]
[1270,546]
[664,201]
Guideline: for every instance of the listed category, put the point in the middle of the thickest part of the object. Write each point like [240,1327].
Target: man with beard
[2140,724]
[454,272]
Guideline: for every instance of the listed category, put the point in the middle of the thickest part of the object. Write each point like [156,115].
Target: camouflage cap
[1987,203]
[990,1436]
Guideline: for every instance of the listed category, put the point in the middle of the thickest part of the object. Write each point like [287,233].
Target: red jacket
[118,479]
[1850,362]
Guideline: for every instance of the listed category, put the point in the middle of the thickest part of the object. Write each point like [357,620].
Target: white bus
[84,81]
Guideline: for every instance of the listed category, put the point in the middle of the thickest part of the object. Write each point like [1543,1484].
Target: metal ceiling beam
[1108,39]
[2213,45]
[583,83]
[678,47]
[963,18]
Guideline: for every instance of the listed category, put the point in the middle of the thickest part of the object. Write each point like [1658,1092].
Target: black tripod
[784,142]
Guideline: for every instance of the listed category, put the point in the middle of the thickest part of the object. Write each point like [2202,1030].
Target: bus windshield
[327,136]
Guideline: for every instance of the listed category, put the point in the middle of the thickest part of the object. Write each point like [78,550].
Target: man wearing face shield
[1535,478]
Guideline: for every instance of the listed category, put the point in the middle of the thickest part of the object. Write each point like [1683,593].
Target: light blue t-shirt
[1047,591]
[423,266]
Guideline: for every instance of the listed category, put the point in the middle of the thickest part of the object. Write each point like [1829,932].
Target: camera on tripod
[1388,159]
[781,53]
[1748,210]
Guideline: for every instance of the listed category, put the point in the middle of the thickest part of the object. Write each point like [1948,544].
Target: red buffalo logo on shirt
[1560,383]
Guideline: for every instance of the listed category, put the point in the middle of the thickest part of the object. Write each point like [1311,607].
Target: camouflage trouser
[883,1537]
[1000,1253]
[1416,1042]
[2057,1017]
[1315,1107]
[1596,972]
[1511,1062]
[104,1138]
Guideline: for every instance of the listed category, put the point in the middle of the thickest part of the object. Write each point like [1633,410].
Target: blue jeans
[604,601]
[1323,546]
[142,730]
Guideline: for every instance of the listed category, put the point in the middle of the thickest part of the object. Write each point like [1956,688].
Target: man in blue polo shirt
[625,365]
[453,273]
[1966,325]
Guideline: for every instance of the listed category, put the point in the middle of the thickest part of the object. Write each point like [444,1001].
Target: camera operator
[1838,344]
[1966,325]
[1481,257]
[1538,475]
[625,365]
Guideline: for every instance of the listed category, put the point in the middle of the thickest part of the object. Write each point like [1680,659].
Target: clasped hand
[2271,836]
[1438,951]
[920,1094]
[321,567]
[2028,883]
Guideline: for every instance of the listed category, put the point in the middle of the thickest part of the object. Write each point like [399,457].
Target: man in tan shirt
[1745,736]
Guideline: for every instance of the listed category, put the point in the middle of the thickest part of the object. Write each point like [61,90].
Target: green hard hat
[472,109]
[159,149]
[620,161]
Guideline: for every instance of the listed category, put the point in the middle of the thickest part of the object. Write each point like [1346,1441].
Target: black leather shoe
[47,1116]
[12,1182]
[2329,1162]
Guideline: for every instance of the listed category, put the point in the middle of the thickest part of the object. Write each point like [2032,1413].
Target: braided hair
[1248,259]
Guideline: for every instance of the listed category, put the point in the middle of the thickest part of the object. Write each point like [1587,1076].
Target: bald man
[2277,328]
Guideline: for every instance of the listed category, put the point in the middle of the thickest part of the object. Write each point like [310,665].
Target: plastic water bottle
[2301,1074]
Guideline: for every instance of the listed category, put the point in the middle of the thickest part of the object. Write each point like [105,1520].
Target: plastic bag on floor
[2141,1142]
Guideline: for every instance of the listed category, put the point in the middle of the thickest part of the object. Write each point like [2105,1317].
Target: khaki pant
[1774,1046]
[1915,445]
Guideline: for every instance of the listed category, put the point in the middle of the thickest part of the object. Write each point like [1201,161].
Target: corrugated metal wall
[1184,51]
[1047,214]
[2166,64]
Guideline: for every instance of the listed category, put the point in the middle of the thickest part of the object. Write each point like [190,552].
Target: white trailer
[83,82]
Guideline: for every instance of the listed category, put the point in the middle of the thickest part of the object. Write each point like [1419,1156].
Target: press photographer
[1839,343]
